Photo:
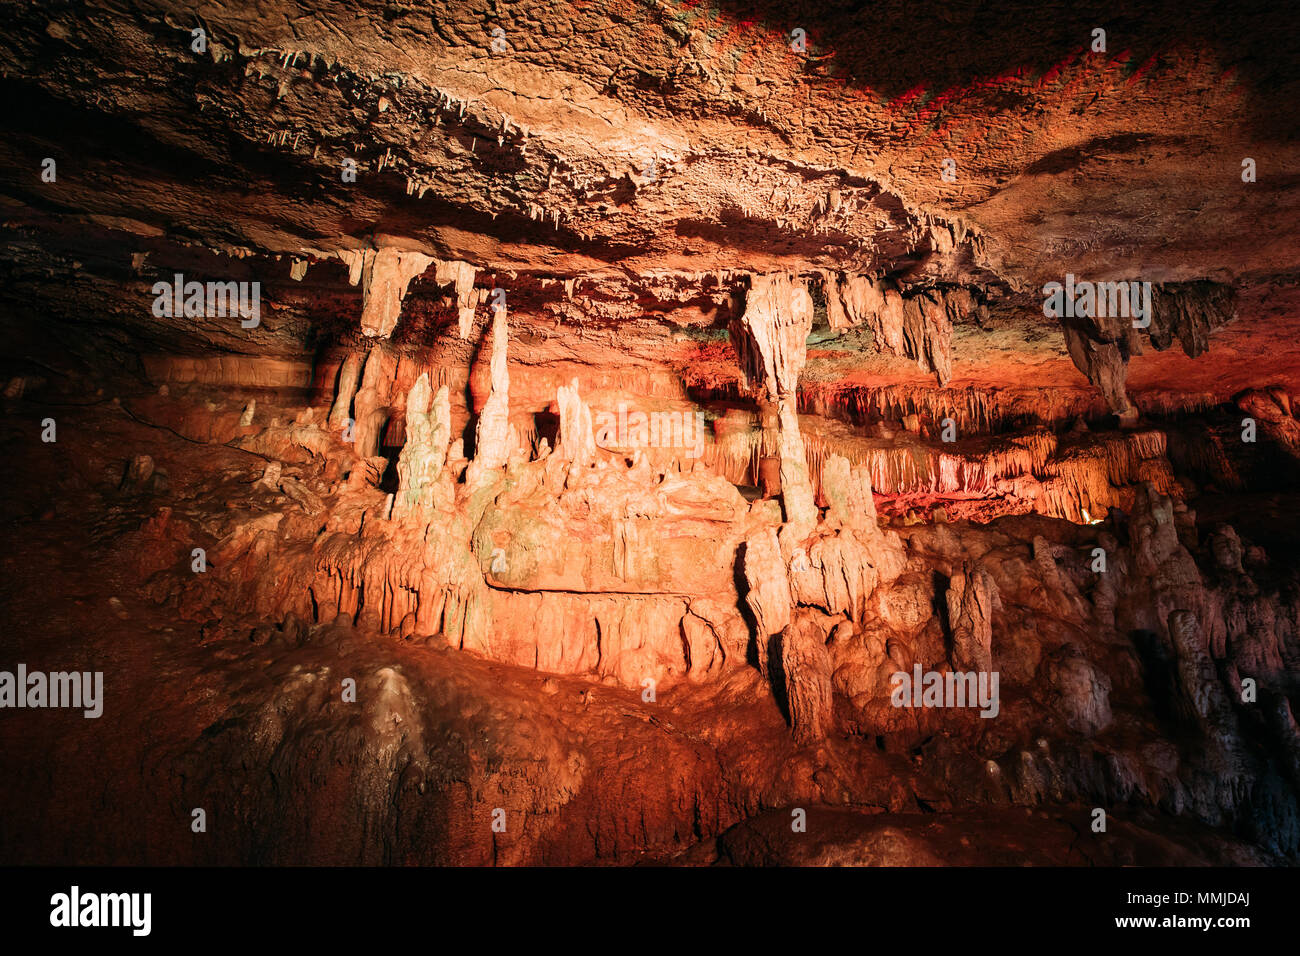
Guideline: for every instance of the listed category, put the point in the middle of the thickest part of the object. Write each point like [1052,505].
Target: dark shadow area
[899,47]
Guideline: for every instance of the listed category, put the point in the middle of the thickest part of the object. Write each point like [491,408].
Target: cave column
[771,341]
[492,438]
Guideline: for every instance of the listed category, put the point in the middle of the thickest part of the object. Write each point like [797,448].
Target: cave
[675,432]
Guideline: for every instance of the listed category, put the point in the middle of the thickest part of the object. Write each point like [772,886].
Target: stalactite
[1189,312]
[918,327]
[975,410]
[1105,364]
[460,275]
[770,339]
[385,274]
[1100,345]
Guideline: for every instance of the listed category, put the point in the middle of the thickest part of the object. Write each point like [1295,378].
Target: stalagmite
[371,402]
[577,441]
[428,433]
[1081,691]
[349,373]
[769,597]
[492,442]
[806,667]
[1202,698]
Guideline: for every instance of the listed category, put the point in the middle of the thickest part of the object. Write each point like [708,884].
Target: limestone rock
[970,597]
[385,274]
[461,276]
[577,441]
[769,588]
[771,340]
[806,669]
[428,432]
[1082,692]
[847,490]
[349,373]
[492,443]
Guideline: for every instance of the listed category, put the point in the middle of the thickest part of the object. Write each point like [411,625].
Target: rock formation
[492,438]
[806,666]
[970,596]
[428,434]
[771,339]
[651,431]
[385,274]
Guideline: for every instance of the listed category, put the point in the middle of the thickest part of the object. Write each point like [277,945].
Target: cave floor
[202,712]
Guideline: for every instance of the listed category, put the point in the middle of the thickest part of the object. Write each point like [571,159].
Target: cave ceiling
[402,395]
[648,151]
